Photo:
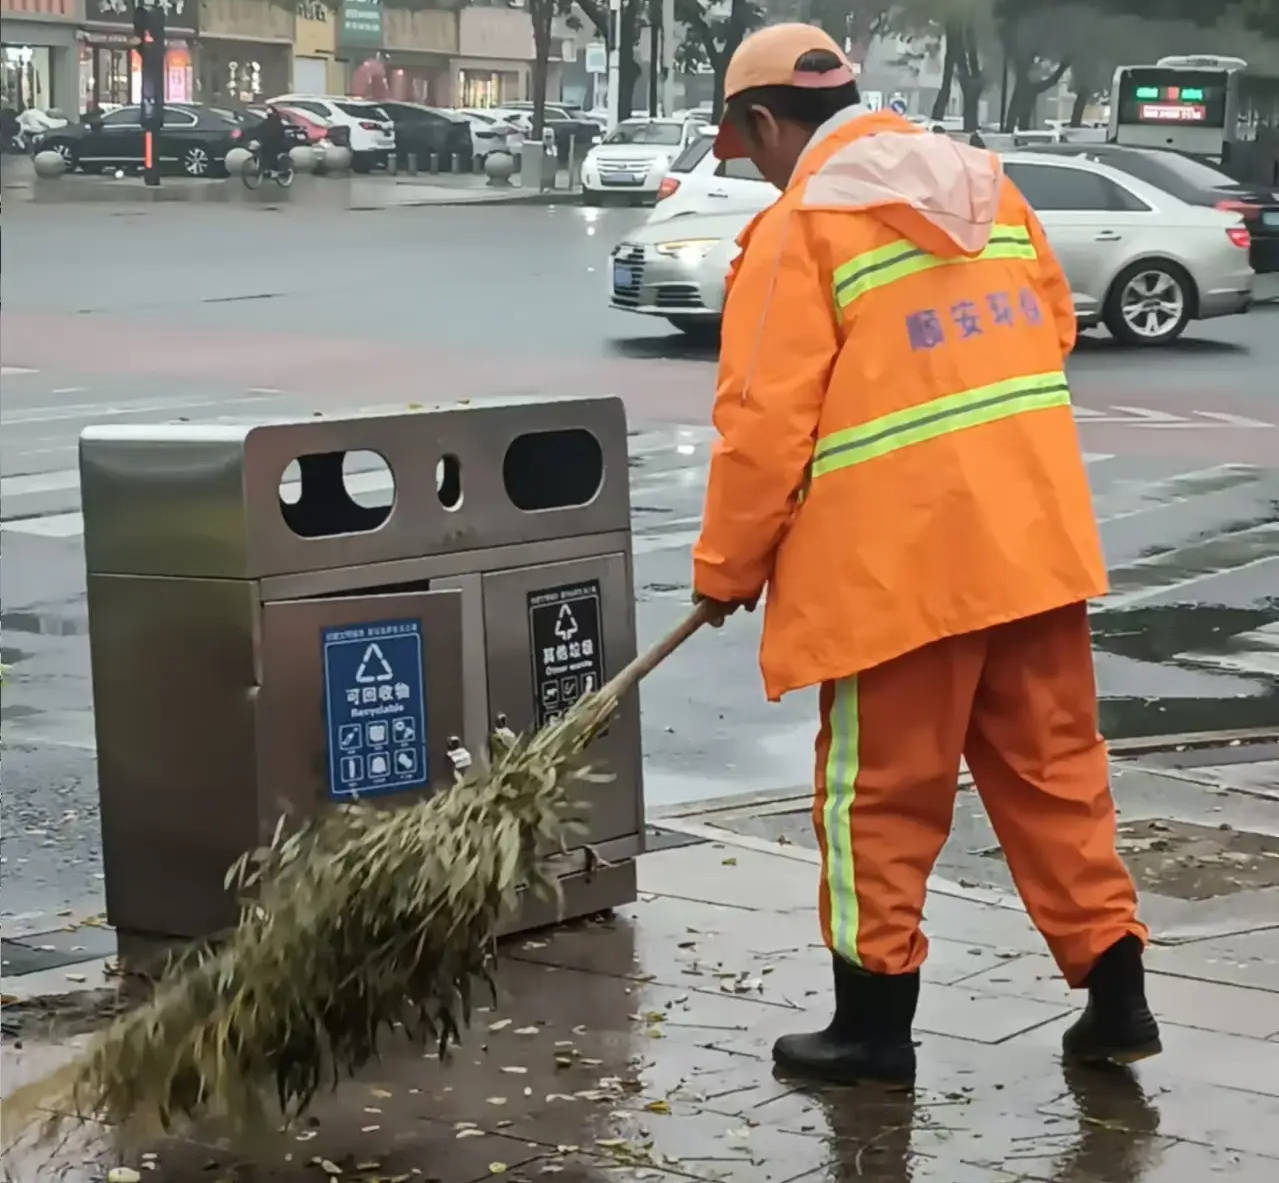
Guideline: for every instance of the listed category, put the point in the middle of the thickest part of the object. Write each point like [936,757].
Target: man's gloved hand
[724,608]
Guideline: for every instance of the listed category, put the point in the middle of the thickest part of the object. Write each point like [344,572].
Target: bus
[1203,105]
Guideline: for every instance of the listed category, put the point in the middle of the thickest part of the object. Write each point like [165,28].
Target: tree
[627,62]
[717,37]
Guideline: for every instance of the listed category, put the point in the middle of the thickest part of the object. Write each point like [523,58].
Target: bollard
[434,162]
[49,164]
[411,162]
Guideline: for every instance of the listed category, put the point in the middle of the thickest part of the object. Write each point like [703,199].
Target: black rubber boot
[1116,1026]
[869,1037]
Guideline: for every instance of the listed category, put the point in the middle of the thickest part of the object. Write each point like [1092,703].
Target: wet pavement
[398,307]
[636,1046]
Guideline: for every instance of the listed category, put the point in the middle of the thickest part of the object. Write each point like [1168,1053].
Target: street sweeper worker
[897,465]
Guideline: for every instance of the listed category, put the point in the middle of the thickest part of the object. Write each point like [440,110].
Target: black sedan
[195,139]
[1198,183]
[421,130]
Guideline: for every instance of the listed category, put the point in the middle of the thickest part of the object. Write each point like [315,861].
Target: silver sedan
[1139,261]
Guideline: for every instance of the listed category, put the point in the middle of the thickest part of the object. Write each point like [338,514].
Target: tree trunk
[542,13]
[734,32]
[627,65]
[972,82]
[942,101]
[1077,111]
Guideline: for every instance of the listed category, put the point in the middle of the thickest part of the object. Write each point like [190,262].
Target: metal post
[614,62]
[654,51]
[668,57]
[148,24]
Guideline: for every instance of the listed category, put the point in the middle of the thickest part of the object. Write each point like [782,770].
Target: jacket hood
[941,195]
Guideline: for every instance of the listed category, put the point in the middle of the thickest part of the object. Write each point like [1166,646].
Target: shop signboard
[179,15]
[361,24]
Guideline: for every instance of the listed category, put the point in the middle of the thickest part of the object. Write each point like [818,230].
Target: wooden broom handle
[704,613]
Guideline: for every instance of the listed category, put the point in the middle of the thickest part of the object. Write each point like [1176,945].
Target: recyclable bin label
[568,653]
[376,708]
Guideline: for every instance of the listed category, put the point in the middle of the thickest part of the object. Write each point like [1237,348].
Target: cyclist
[272,139]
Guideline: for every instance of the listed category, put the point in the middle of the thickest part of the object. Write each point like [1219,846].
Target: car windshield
[667,134]
[363,111]
[687,160]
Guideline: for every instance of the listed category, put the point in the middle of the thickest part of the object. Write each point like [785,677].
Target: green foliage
[365,921]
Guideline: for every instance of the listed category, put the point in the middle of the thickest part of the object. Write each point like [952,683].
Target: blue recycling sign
[375,708]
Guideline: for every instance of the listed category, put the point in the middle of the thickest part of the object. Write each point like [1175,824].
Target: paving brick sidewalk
[637,1047]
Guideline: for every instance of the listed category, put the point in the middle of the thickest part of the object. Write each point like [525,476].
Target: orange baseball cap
[768,57]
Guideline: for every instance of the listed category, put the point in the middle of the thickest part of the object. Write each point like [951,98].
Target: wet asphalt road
[124,316]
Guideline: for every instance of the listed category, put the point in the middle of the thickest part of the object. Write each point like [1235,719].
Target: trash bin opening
[448,481]
[327,493]
[553,469]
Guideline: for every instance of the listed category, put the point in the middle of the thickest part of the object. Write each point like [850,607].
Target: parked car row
[197,137]
[1149,239]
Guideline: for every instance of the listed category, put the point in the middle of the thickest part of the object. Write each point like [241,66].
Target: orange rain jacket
[897,456]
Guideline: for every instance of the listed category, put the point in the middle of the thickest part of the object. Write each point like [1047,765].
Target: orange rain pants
[1019,702]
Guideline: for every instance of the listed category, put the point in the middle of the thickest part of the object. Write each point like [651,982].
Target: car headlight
[686,250]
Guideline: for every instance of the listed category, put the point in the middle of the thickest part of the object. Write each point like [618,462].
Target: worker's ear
[761,126]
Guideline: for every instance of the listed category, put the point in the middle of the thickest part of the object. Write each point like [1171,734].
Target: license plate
[1270,217]
[623,277]
[620,179]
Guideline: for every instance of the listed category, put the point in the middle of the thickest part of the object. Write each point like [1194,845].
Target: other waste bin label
[568,650]
[375,704]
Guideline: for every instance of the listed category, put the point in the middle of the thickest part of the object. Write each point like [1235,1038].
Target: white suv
[698,183]
[372,129]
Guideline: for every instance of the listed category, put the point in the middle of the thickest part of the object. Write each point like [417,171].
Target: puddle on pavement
[1161,632]
[1192,862]
[45,624]
[1126,718]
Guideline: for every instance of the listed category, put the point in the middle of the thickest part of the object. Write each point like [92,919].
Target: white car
[698,183]
[491,133]
[676,269]
[372,129]
[633,158]
[1140,261]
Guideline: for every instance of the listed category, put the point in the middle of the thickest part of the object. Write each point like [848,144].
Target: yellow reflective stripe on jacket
[939,416]
[887,264]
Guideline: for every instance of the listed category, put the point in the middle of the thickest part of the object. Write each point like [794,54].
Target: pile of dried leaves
[365,920]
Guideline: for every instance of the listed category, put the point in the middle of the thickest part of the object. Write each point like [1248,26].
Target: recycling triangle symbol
[566,624]
[373,666]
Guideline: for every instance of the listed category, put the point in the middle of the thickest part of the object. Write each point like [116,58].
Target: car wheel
[196,161]
[1149,303]
[63,149]
[695,329]
[363,162]
[592,197]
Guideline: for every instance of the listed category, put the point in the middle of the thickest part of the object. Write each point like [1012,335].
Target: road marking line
[39,482]
[95,410]
[1260,657]
[14,371]
[69,389]
[56,525]
[1185,486]
[1120,600]
[1148,415]
[1230,420]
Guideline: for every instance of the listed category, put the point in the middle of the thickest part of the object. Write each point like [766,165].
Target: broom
[361,921]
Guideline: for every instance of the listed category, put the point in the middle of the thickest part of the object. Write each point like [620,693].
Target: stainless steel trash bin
[256,654]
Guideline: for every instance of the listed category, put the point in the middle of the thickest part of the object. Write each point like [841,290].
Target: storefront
[110,68]
[418,45]
[246,49]
[359,45]
[494,62]
[316,69]
[38,55]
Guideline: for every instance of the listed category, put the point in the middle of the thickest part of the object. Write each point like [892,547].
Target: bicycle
[252,172]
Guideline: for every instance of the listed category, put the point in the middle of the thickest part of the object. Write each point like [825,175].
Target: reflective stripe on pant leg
[841,779]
